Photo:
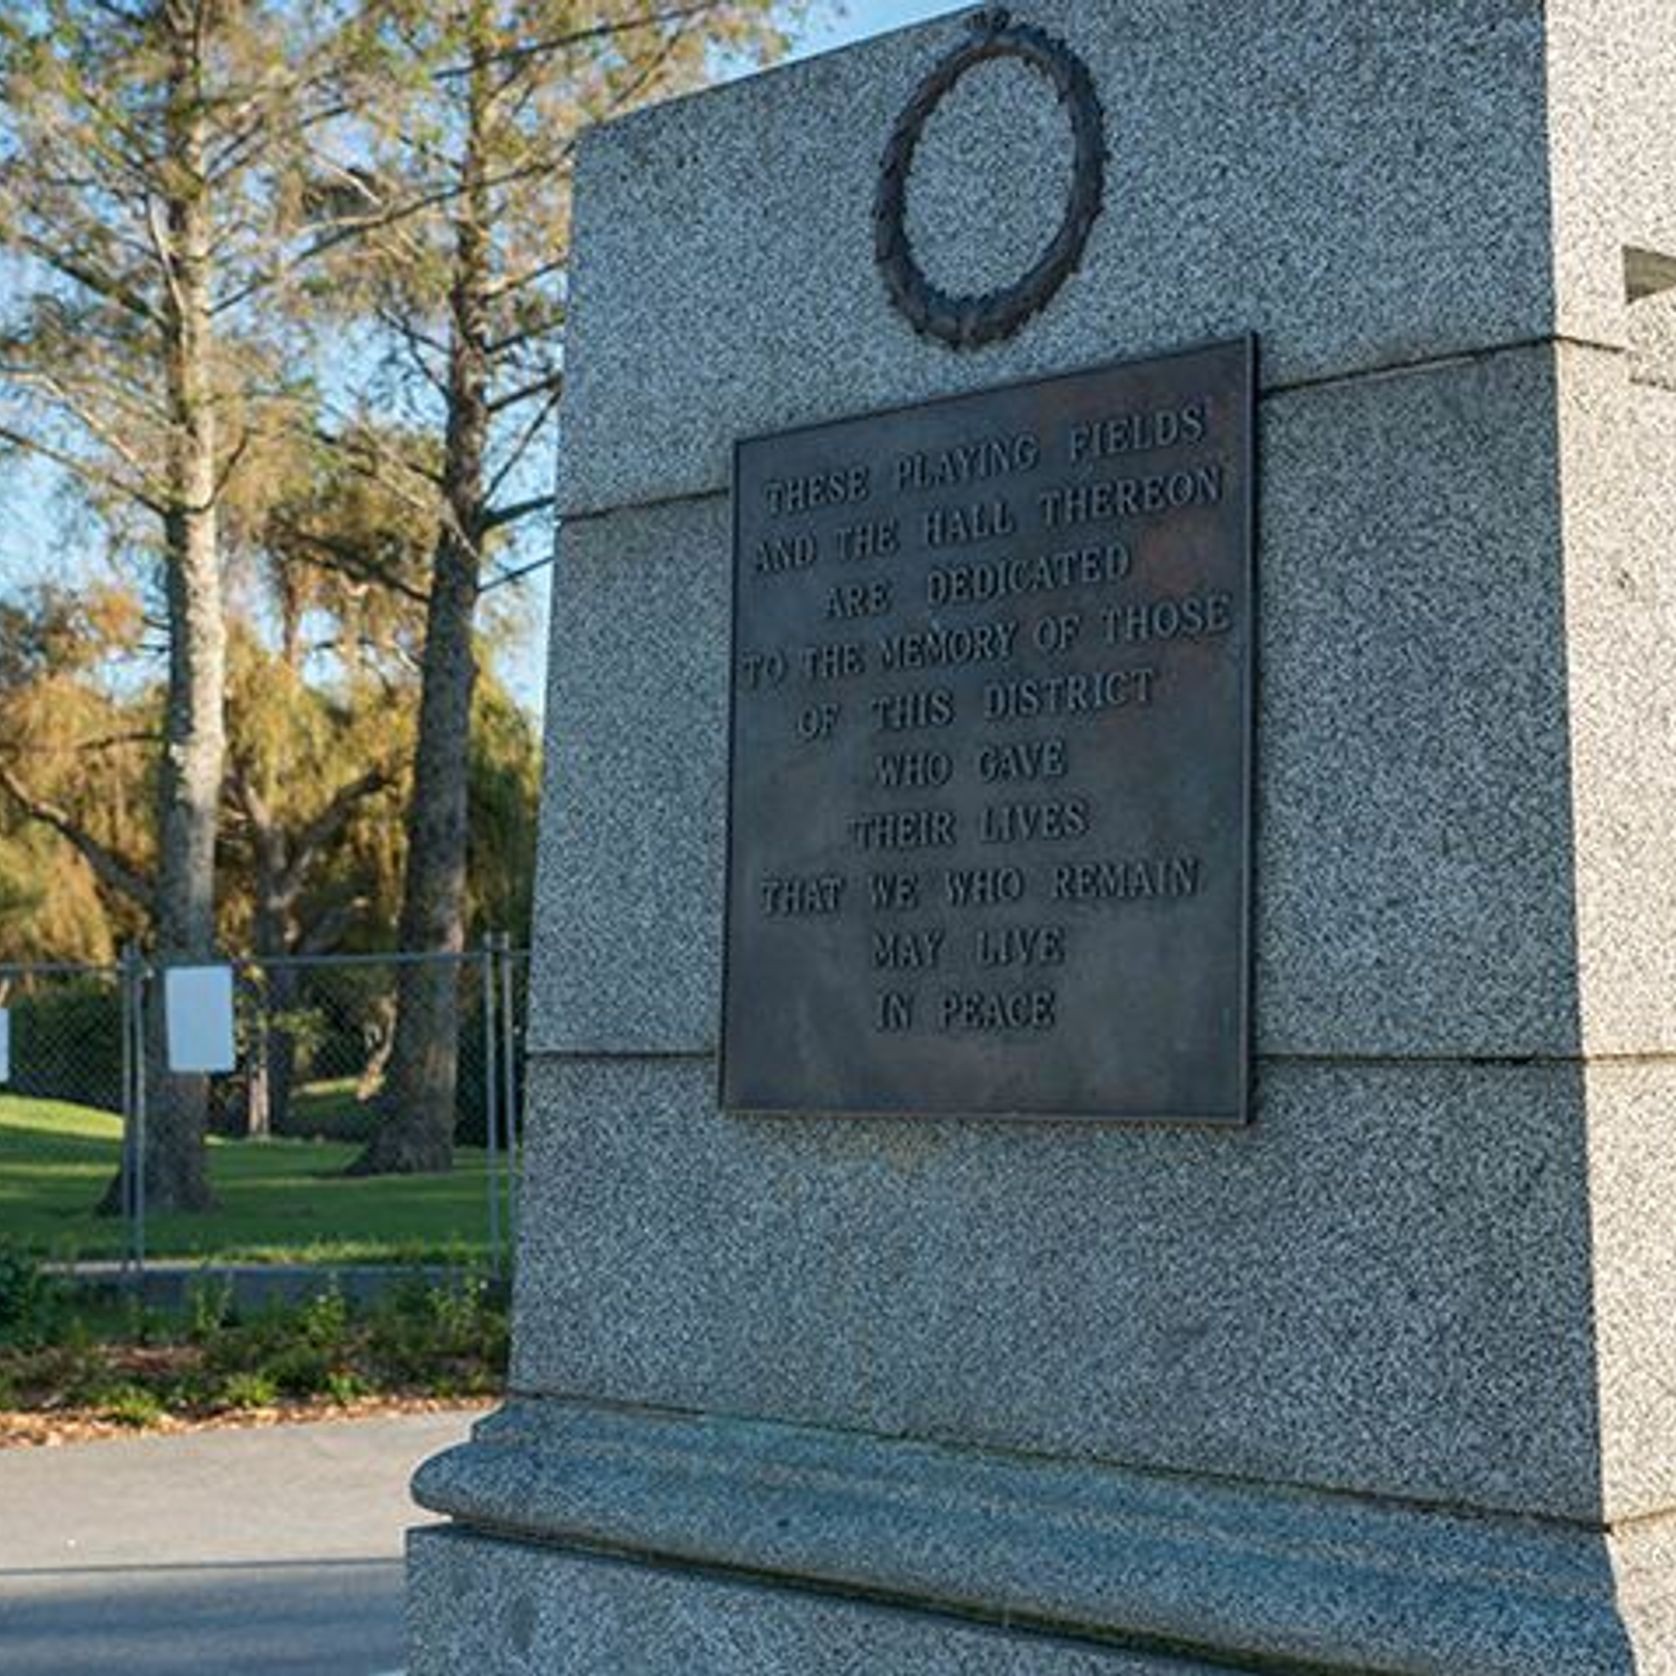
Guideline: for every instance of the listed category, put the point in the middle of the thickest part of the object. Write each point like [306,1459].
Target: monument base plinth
[592,1539]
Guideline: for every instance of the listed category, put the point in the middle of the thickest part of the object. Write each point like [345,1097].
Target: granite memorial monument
[1103,1042]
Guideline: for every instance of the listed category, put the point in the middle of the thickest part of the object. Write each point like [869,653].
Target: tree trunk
[378,1038]
[256,1121]
[273,1053]
[416,1132]
[280,1041]
[189,779]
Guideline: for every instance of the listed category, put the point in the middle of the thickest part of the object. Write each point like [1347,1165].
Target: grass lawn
[278,1201]
[331,1108]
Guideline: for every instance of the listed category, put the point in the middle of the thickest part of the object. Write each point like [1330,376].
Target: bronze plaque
[990,792]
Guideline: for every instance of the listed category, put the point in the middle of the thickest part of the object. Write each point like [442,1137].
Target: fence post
[141,1063]
[509,1084]
[489,1090]
[133,1104]
[125,1011]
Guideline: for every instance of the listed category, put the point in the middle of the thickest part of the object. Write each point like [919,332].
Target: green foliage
[459,1328]
[503,794]
[74,738]
[139,1324]
[209,1304]
[345,1387]
[436,1338]
[129,1404]
[444,1338]
[322,1322]
[246,1390]
[317,762]
[67,1043]
[31,1302]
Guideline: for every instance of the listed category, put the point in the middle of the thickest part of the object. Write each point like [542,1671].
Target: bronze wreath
[969,322]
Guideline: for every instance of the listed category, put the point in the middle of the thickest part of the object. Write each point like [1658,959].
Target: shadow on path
[298,1618]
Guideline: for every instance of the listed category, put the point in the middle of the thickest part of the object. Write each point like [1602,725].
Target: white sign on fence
[198,1009]
[5,1045]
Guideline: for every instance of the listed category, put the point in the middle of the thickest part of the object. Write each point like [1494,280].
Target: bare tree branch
[345,229]
[537,329]
[508,577]
[107,286]
[577,37]
[345,559]
[372,459]
[84,469]
[525,437]
[328,825]
[74,404]
[328,930]
[108,867]
[504,515]
[414,343]
[524,392]
[508,283]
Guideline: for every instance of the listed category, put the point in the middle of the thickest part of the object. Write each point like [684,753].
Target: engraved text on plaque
[991,754]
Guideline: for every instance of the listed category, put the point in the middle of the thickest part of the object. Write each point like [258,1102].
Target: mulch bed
[49,1428]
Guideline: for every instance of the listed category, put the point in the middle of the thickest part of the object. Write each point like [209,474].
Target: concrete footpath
[273,1552]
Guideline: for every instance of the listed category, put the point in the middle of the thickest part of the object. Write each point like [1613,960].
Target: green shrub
[141,1325]
[209,1306]
[128,1404]
[448,1339]
[322,1321]
[304,1371]
[422,1332]
[246,1390]
[32,1308]
[304,1346]
[345,1387]
[67,1044]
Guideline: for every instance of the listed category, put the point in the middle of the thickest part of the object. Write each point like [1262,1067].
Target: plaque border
[1244,1114]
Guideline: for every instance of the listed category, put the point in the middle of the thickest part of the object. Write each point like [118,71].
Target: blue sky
[869,17]
[30,535]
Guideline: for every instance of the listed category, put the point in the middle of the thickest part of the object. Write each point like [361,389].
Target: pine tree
[153,155]
[471,299]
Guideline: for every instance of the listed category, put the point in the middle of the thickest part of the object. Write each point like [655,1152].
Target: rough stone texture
[1632,1181]
[1442,1265]
[1384,1285]
[631,850]
[1360,187]
[1225,1572]
[503,1609]
[1025,136]
[1618,463]
[1644,1562]
[1611,66]
[1652,339]
[1410,782]
[1414,858]
[1618,466]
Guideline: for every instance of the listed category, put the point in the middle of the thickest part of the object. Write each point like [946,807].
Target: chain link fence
[84,1070]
